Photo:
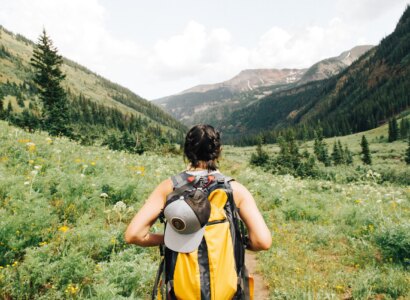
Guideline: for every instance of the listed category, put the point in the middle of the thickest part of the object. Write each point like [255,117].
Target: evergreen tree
[407,157]
[320,148]
[348,157]
[404,128]
[342,153]
[1,104]
[48,77]
[9,111]
[290,161]
[259,158]
[337,154]
[366,158]
[393,130]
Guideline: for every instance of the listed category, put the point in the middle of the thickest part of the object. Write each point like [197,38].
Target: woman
[202,149]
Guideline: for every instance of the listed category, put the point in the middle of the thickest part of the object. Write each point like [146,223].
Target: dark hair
[202,143]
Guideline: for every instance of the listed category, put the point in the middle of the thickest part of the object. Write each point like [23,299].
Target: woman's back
[201,263]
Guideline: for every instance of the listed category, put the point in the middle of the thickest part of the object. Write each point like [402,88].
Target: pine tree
[407,157]
[259,158]
[336,155]
[9,111]
[366,158]
[320,148]
[48,77]
[404,128]
[393,130]
[342,153]
[1,105]
[348,157]
[289,156]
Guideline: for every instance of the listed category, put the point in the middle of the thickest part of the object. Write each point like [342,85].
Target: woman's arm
[259,235]
[138,230]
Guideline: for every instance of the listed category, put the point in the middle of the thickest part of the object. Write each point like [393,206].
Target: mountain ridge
[209,103]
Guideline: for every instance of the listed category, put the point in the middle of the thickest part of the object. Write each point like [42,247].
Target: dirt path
[261,291]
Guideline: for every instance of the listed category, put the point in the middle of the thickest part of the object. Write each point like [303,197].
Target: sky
[158,48]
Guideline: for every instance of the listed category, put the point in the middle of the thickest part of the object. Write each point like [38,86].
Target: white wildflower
[120,206]
[104,195]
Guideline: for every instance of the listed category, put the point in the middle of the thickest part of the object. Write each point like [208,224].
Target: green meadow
[64,208]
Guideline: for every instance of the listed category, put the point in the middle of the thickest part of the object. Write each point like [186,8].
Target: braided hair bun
[202,143]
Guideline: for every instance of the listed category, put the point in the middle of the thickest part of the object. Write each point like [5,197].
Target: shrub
[297,211]
[394,242]
[260,158]
[374,283]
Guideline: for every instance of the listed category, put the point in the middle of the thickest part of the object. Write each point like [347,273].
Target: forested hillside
[98,108]
[363,96]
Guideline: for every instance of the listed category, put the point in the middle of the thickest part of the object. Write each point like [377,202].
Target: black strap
[204,272]
[246,289]
[158,280]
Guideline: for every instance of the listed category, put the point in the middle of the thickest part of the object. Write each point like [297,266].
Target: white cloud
[203,55]
[197,54]
[365,10]
[78,30]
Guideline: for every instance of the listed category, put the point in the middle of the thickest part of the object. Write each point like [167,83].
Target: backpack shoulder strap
[179,179]
[222,179]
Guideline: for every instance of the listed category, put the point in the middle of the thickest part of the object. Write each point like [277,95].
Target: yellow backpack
[216,269]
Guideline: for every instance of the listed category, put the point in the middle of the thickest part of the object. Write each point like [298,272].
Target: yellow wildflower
[31,147]
[78,160]
[138,169]
[24,141]
[339,288]
[93,163]
[97,267]
[72,289]
[42,244]
[63,228]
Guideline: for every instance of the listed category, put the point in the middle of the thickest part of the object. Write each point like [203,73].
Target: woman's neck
[201,166]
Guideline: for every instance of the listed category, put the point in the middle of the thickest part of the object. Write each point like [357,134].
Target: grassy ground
[64,208]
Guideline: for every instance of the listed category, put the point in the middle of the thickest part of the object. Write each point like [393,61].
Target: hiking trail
[261,291]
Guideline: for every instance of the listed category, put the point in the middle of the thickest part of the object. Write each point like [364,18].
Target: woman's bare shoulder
[240,193]
[165,187]
[237,185]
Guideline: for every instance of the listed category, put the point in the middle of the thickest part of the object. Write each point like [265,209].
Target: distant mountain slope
[366,94]
[17,87]
[251,79]
[332,66]
[212,102]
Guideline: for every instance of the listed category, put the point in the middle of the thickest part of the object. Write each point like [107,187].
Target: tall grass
[64,208]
